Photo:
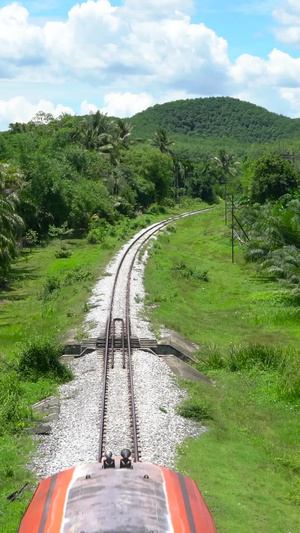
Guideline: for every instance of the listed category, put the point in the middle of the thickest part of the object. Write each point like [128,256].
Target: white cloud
[279,70]
[21,43]
[157,9]
[171,96]
[86,108]
[292,96]
[118,46]
[247,69]
[289,19]
[19,109]
[126,104]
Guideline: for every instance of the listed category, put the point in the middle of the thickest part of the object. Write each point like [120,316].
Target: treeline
[84,174]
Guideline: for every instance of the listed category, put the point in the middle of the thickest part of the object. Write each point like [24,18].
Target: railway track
[118,386]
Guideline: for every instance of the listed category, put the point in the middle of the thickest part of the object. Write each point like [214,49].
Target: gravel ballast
[74,438]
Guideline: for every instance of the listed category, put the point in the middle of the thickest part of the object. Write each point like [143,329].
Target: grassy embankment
[247,465]
[45,297]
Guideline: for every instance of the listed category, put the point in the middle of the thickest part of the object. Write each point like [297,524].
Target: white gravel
[75,436]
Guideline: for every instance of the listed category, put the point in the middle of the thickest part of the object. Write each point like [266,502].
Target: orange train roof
[89,499]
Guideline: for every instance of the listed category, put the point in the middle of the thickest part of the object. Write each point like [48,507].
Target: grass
[26,310]
[247,465]
[230,304]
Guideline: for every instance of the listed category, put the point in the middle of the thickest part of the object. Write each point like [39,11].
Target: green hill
[217,118]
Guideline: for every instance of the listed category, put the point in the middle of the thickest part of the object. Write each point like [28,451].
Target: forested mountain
[217,117]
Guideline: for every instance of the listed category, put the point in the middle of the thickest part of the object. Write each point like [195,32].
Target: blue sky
[121,56]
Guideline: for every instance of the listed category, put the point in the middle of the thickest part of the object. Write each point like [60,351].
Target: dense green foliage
[60,173]
[10,223]
[152,173]
[274,242]
[271,178]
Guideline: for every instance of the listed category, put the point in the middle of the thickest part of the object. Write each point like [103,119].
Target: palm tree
[115,140]
[162,141]
[10,221]
[124,130]
[92,130]
[228,165]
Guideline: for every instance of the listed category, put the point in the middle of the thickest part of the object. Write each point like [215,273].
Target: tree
[92,130]
[124,130]
[162,141]
[115,141]
[151,176]
[270,178]
[42,119]
[201,181]
[10,222]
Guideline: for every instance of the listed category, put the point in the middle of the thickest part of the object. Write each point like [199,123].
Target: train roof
[144,498]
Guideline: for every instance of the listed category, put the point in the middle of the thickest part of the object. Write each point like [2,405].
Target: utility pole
[225,201]
[232,231]
[290,157]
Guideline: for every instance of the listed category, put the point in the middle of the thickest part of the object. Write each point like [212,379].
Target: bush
[31,238]
[98,229]
[13,409]
[195,409]
[77,274]
[63,253]
[212,357]
[108,244]
[95,236]
[172,228]
[156,209]
[192,273]
[41,358]
[52,284]
[289,381]
[264,356]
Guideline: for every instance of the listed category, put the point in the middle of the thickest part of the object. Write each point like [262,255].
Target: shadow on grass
[16,275]
[21,273]
[263,279]
[15,297]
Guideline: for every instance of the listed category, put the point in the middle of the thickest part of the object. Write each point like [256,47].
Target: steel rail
[155,227]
